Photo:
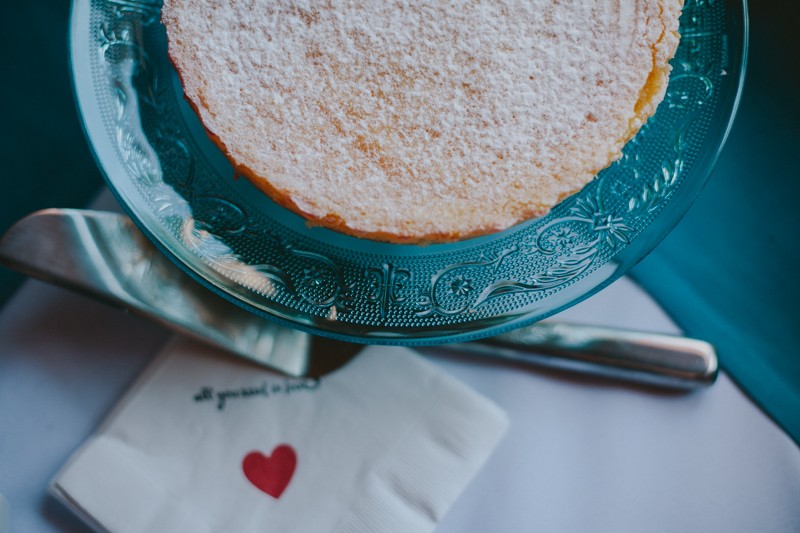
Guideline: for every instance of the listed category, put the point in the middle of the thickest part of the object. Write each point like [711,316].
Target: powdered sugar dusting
[418,119]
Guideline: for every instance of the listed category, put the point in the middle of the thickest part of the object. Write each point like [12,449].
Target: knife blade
[104,255]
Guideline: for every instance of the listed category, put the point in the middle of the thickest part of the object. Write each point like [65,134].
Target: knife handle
[649,358]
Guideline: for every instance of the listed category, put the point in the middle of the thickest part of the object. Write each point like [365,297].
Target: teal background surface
[44,158]
[728,273]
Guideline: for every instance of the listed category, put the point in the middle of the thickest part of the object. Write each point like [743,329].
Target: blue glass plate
[179,188]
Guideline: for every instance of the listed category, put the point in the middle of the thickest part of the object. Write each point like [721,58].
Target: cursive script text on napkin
[264,390]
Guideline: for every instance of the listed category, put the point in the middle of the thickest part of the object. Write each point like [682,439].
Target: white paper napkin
[204,443]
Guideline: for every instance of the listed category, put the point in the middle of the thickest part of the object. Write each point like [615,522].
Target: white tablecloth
[581,454]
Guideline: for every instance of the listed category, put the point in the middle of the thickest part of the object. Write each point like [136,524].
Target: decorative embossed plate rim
[176,186]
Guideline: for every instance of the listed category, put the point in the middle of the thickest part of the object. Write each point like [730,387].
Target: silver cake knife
[104,255]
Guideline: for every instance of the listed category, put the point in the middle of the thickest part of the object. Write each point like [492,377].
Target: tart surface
[424,121]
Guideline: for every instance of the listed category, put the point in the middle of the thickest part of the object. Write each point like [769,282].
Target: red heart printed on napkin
[271,473]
